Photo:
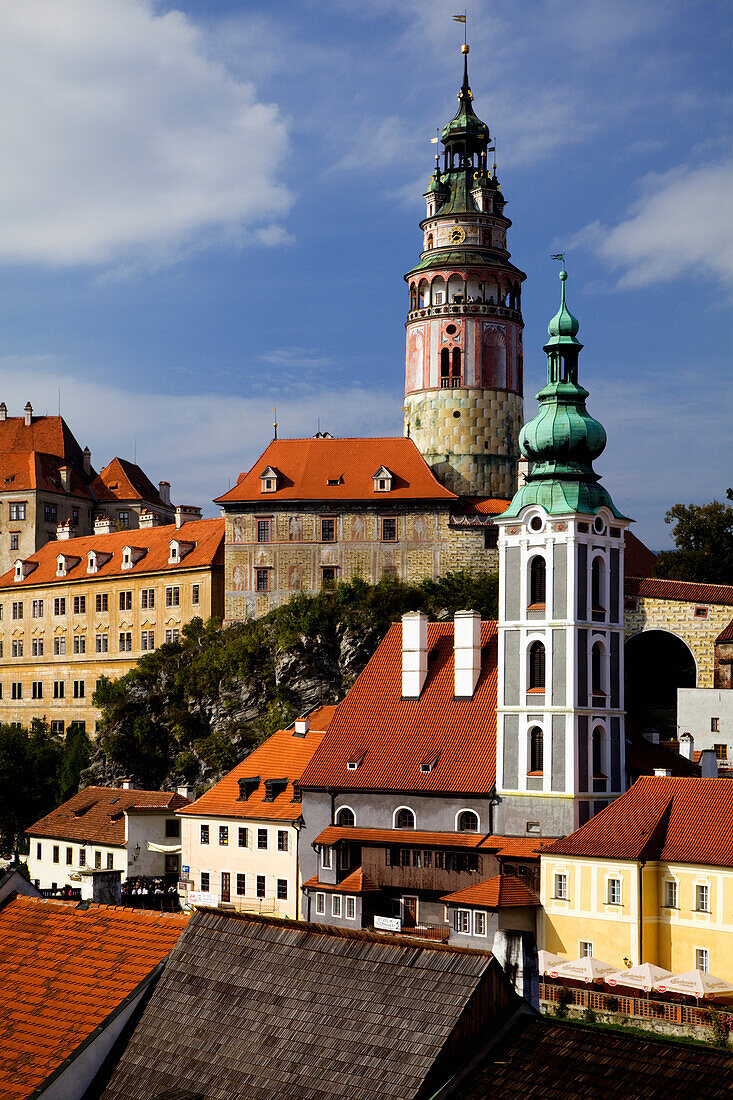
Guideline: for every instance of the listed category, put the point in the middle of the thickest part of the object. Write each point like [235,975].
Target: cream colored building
[240,839]
[83,608]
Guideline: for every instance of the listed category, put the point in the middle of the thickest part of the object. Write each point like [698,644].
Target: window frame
[262,840]
[320,903]
[383,522]
[614,894]
[336,905]
[700,886]
[560,886]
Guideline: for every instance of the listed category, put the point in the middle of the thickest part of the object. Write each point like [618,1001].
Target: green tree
[703,535]
[30,760]
[77,755]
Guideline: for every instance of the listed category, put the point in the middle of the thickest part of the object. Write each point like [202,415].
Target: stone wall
[679,617]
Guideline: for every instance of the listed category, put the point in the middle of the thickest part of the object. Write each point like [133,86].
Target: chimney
[65,530]
[663,772]
[516,953]
[28,414]
[708,764]
[414,653]
[651,735]
[185,791]
[467,652]
[523,469]
[3,411]
[146,520]
[103,525]
[129,785]
[302,725]
[187,513]
[165,491]
[102,887]
[65,473]
[87,461]
[687,745]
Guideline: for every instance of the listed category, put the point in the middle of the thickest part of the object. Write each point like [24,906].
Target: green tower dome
[563,439]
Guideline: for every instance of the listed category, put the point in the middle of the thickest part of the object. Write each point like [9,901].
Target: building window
[350,908]
[462,922]
[702,899]
[282,840]
[336,905]
[124,520]
[125,601]
[55,855]
[597,749]
[125,641]
[58,689]
[172,635]
[596,663]
[69,857]
[172,827]
[561,887]
[205,882]
[282,889]
[328,529]
[194,594]
[537,582]
[147,598]
[467,822]
[585,949]
[57,727]
[16,691]
[721,751]
[50,513]
[404,819]
[389,529]
[536,750]
[537,667]
[702,959]
[670,894]
[80,605]
[102,601]
[59,646]
[345,818]
[263,530]
[328,575]
[701,612]
[80,644]
[326,857]
[14,542]
[18,609]
[260,886]
[262,580]
[147,640]
[614,891]
[630,603]
[17,511]
[596,584]
[241,885]
[224,835]
[715,725]
[101,643]
[82,857]
[37,609]
[110,861]
[98,861]
[39,851]
[479,923]
[37,689]
[78,689]
[17,647]
[320,904]
[59,606]
[262,838]
[204,834]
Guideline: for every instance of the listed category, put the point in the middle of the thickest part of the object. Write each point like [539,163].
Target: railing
[641,1008]
[438,932]
[457,308]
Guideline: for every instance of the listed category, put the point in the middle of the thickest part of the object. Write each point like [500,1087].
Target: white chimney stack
[187,513]
[663,772]
[28,414]
[3,411]
[467,652]
[414,653]
[302,726]
[65,475]
[65,530]
[103,525]
[687,745]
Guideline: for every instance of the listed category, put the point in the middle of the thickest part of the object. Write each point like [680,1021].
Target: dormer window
[23,568]
[427,765]
[383,480]
[335,480]
[355,762]
[247,787]
[178,550]
[269,480]
[273,788]
[64,562]
[96,558]
[131,555]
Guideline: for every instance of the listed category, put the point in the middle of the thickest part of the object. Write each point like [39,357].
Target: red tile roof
[660,818]
[639,560]
[643,756]
[679,590]
[123,480]
[499,892]
[306,465]
[508,847]
[21,471]
[48,434]
[206,534]
[355,883]
[284,755]
[96,814]
[64,971]
[395,735]
[726,635]
[484,506]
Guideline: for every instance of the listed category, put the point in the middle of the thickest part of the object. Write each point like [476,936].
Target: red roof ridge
[499,892]
[691,591]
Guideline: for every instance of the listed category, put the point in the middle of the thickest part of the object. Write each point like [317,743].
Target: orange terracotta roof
[355,883]
[284,755]
[306,465]
[660,818]
[64,971]
[679,590]
[22,471]
[96,814]
[499,892]
[123,480]
[504,846]
[639,560]
[726,635]
[395,735]
[484,506]
[518,847]
[49,434]
[207,534]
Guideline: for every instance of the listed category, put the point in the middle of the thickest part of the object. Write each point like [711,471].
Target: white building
[707,715]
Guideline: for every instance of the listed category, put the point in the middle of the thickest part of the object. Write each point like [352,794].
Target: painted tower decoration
[560,720]
[463,378]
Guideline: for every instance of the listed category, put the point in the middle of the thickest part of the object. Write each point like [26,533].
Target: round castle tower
[463,366]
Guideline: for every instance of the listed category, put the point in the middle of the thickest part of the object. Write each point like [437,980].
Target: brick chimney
[28,414]
[3,411]
[103,525]
[87,461]
[414,653]
[164,488]
[467,652]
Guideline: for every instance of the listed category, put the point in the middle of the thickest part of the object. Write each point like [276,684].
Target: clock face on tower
[457,235]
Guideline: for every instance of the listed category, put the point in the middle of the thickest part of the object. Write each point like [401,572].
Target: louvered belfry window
[537,665]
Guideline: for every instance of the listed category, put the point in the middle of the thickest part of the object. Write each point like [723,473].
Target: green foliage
[77,755]
[216,751]
[561,1010]
[589,1015]
[719,1032]
[703,534]
[143,745]
[32,762]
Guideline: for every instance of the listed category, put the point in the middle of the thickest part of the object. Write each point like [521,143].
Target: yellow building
[78,609]
[648,879]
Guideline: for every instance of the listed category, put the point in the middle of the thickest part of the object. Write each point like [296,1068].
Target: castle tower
[463,376]
[560,713]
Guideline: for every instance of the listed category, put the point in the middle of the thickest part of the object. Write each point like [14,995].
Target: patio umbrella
[646,976]
[696,983]
[547,961]
[586,969]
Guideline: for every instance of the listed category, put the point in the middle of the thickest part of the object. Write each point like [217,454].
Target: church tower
[560,712]
[463,376]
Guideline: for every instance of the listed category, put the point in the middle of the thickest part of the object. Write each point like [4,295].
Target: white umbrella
[646,976]
[548,961]
[696,983]
[586,969]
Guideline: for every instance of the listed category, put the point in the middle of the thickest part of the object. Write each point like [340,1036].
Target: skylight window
[355,762]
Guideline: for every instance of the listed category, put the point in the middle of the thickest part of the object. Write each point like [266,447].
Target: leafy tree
[77,755]
[703,534]
[29,765]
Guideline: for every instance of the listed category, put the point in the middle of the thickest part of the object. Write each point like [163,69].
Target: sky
[207,208]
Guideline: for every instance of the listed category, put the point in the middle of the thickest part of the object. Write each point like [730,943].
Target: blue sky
[206,209]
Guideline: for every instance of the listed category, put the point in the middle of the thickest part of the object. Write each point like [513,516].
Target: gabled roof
[726,635]
[499,892]
[65,970]
[394,735]
[644,756]
[285,754]
[22,471]
[305,467]
[355,883]
[123,480]
[660,818]
[684,591]
[287,1009]
[206,534]
[639,560]
[49,434]
[96,815]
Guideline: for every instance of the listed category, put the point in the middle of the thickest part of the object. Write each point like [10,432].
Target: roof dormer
[131,555]
[65,562]
[247,786]
[23,569]
[95,558]
[178,550]
[383,480]
[269,479]
[355,761]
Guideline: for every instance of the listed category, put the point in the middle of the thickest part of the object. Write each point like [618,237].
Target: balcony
[410,869]
[458,309]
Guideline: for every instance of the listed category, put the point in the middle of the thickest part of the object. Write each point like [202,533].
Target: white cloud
[120,134]
[682,226]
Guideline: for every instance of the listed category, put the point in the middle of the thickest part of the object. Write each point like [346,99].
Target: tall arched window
[596,662]
[455,379]
[536,749]
[444,368]
[598,772]
[537,581]
[536,666]
[596,584]
[345,818]
[404,819]
[468,822]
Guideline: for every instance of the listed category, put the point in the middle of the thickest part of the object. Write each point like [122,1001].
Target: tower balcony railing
[457,309]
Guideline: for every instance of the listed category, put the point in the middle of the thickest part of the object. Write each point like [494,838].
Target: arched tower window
[444,368]
[468,822]
[536,749]
[430,240]
[598,772]
[404,819]
[537,581]
[596,587]
[536,666]
[596,662]
[345,818]
[455,378]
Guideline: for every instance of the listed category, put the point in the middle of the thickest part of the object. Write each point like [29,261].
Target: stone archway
[656,663]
